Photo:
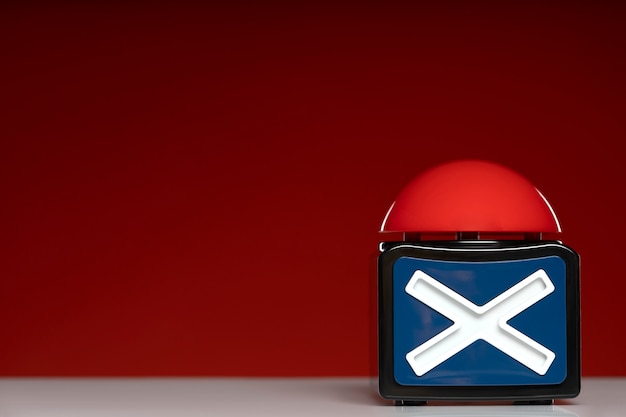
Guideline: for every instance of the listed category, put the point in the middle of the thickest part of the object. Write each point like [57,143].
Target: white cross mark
[487,322]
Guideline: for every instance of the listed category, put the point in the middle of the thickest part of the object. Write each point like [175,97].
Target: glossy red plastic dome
[470,196]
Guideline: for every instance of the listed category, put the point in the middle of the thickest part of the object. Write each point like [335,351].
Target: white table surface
[346,397]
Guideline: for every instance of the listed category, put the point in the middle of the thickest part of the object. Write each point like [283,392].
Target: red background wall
[196,189]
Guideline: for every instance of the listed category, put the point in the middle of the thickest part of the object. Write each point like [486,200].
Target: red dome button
[470,196]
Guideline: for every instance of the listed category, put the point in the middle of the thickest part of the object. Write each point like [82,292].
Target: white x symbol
[487,322]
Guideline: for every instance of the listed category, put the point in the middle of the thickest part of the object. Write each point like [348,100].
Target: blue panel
[480,363]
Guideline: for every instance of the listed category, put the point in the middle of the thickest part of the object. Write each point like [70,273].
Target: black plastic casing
[479,251]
